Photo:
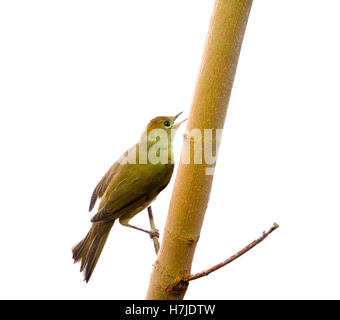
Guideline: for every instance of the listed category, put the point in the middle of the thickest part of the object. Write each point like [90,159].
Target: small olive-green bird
[127,188]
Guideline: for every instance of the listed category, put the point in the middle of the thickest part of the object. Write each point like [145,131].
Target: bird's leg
[152,233]
[125,222]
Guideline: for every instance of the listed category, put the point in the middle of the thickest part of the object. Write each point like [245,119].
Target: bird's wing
[103,184]
[122,201]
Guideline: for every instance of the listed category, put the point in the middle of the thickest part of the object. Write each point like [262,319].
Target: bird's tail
[89,249]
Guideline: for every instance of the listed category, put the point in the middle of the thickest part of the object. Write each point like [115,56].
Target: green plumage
[125,190]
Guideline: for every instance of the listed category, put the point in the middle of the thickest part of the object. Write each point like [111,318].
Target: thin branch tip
[232,258]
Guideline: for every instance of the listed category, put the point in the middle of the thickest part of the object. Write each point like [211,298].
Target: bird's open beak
[179,123]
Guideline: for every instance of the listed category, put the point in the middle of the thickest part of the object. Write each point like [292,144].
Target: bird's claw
[154,233]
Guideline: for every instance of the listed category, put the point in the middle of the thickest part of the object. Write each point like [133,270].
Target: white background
[79,81]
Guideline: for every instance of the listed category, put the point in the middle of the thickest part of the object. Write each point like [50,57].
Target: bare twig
[153,228]
[232,258]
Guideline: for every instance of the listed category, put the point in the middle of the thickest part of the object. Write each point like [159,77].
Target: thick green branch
[193,185]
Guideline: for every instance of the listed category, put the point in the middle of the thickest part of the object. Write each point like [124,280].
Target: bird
[128,187]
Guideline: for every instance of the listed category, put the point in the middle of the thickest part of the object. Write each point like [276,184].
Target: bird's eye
[167,123]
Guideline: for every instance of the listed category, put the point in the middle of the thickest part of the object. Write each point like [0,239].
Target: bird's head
[165,123]
[161,128]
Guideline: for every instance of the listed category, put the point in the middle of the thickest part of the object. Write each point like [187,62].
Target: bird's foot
[154,233]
